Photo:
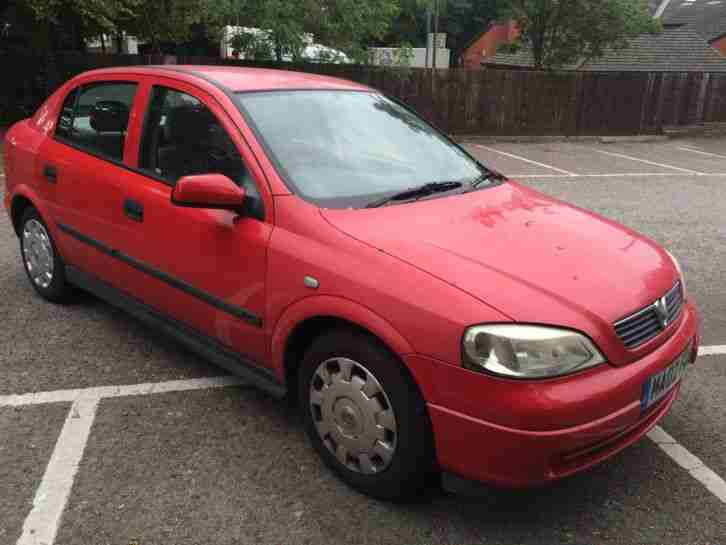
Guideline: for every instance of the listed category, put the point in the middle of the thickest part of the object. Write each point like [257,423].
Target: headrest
[188,124]
[109,116]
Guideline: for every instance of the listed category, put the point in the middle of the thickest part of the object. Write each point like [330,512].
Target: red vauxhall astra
[320,240]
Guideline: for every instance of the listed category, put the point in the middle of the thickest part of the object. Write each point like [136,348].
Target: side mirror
[213,191]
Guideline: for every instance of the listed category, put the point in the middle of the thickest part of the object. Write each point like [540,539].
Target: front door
[205,268]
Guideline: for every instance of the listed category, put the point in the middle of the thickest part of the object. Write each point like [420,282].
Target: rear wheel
[365,416]
[42,263]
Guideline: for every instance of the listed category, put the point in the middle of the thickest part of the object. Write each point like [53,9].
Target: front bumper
[538,451]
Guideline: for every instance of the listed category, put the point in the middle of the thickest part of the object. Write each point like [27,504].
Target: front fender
[421,368]
[332,307]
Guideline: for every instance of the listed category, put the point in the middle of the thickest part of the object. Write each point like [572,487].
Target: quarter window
[96,117]
[65,121]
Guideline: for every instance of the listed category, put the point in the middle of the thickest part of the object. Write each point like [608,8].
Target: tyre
[41,260]
[365,416]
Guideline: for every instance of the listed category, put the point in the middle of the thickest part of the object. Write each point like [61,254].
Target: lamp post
[436,33]
[428,35]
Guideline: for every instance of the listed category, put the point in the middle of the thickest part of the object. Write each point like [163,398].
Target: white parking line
[149,388]
[525,160]
[42,523]
[647,162]
[708,153]
[692,464]
[51,496]
[712,350]
[60,396]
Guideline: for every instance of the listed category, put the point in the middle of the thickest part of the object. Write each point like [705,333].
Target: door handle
[134,210]
[51,173]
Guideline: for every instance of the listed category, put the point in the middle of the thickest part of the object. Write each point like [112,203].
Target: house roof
[489,26]
[679,49]
[712,28]
[683,12]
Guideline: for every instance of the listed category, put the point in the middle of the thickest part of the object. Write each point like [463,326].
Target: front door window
[183,138]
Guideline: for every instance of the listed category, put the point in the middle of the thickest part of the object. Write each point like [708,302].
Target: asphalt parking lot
[111,434]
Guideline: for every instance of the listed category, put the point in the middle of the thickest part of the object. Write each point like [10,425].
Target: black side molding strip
[205,346]
[208,298]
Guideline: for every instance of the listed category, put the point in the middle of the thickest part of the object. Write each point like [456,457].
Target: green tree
[561,32]
[155,21]
[177,21]
[347,25]
[252,45]
[409,26]
[81,19]
[350,25]
[286,22]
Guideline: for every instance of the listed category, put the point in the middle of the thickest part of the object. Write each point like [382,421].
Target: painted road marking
[647,162]
[692,464]
[67,396]
[524,159]
[708,153]
[712,350]
[42,523]
[149,388]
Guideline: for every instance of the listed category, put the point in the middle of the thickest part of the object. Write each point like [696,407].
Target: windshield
[342,149]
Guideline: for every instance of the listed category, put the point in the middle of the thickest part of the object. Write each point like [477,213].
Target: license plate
[657,386]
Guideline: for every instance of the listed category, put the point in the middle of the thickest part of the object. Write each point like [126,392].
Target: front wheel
[365,416]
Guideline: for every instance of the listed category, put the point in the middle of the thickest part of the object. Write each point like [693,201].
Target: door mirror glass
[213,191]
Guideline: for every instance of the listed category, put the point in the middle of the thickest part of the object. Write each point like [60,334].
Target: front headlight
[677,265]
[527,352]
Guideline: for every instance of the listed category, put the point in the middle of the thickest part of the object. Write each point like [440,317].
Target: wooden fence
[483,102]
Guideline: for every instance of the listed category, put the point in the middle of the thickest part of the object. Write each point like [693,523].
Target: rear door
[205,268]
[84,164]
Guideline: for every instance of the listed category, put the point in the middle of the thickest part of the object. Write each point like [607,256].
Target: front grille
[674,302]
[647,323]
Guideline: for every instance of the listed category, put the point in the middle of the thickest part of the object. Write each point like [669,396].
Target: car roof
[241,79]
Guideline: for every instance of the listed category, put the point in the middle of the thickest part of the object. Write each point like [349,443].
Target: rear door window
[96,117]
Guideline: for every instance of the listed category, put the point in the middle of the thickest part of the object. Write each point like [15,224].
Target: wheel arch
[304,321]
[18,206]
[24,197]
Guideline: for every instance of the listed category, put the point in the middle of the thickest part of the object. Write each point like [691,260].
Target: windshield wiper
[417,192]
[485,177]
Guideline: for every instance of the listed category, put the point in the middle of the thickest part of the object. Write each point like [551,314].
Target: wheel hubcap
[353,415]
[38,253]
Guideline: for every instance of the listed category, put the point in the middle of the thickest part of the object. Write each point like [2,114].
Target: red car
[323,241]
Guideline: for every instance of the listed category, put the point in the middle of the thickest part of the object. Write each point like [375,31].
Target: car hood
[529,256]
